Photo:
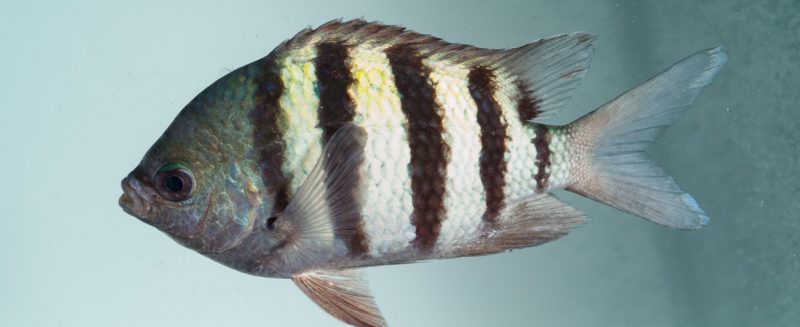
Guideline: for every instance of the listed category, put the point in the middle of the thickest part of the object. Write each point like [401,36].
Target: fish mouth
[135,199]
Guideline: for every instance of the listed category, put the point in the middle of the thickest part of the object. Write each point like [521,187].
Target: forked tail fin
[608,145]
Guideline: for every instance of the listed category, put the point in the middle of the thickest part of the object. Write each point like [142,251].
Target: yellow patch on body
[299,120]
[388,190]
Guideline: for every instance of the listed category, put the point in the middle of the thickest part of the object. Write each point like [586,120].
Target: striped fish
[359,144]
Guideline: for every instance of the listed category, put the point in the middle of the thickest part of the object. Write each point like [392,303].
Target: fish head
[198,183]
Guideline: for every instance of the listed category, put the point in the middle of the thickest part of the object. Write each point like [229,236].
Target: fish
[359,144]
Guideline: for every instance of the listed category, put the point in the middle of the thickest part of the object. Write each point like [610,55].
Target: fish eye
[174,183]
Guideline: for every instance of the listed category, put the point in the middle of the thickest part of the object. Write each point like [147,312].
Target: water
[87,87]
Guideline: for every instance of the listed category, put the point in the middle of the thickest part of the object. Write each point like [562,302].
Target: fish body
[359,144]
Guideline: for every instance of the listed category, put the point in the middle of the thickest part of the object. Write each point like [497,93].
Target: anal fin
[344,294]
[529,221]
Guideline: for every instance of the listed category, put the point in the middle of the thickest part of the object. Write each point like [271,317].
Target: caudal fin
[609,143]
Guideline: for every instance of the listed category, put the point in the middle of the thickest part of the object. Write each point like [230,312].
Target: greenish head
[199,182]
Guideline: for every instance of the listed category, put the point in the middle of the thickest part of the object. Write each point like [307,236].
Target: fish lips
[137,199]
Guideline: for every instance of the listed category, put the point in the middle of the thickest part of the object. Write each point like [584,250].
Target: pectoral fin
[326,206]
[344,294]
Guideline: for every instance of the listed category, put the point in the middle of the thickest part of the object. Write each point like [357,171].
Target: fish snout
[136,198]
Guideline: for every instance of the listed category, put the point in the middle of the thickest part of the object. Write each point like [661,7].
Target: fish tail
[608,145]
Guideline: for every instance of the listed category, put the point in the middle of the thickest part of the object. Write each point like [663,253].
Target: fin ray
[612,166]
[322,196]
[537,219]
[532,220]
[547,71]
[345,294]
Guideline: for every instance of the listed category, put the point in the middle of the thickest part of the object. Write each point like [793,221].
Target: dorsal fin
[543,73]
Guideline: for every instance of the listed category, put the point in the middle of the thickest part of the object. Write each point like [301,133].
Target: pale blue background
[86,87]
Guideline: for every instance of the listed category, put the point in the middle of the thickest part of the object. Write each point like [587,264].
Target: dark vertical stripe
[429,152]
[542,143]
[268,140]
[336,108]
[333,78]
[527,103]
[482,87]
[528,109]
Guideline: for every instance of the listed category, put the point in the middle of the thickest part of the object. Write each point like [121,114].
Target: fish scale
[389,212]
[521,154]
[464,198]
[359,144]
[299,115]
[388,195]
